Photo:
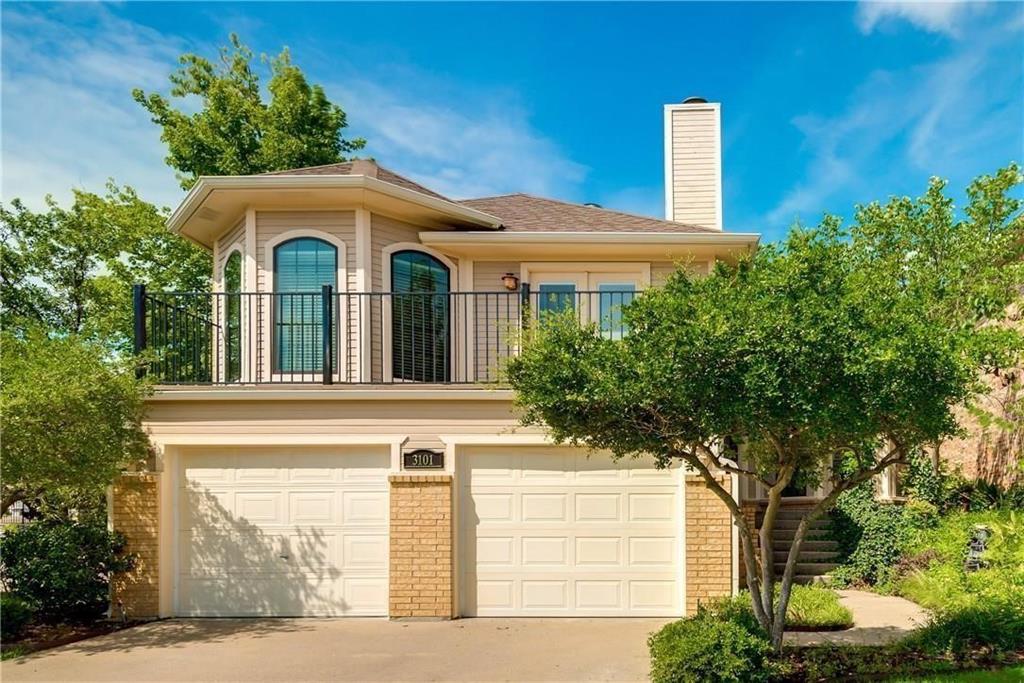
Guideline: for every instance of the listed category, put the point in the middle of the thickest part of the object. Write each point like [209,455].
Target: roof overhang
[578,245]
[215,202]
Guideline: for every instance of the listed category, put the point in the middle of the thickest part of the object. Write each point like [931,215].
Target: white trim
[221,310]
[341,255]
[669,167]
[640,269]
[441,237]
[251,285]
[467,309]
[385,308]
[364,283]
[506,439]
[278,439]
[333,394]
[207,184]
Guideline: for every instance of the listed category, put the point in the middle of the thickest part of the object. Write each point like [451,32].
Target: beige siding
[340,224]
[695,166]
[235,237]
[496,318]
[661,270]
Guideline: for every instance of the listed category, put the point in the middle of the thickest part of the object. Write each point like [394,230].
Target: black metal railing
[328,337]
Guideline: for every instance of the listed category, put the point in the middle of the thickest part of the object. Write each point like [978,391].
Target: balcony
[349,338]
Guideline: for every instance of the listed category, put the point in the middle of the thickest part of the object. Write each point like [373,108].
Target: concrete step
[792,512]
[807,579]
[783,535]
[807,568]
[781,524]
[805,556]
[810,546]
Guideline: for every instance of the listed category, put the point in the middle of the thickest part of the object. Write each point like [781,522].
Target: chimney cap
[695,100]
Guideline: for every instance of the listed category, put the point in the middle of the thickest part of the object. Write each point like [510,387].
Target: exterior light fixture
[510,281]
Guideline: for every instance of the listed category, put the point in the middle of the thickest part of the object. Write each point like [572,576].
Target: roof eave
[207,184]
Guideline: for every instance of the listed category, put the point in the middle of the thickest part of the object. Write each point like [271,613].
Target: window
[612,296]
[233,317]
[556,297]
[420,318]
[301,267]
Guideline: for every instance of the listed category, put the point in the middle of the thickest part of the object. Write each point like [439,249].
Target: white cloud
[68,116]
[488,147]
[937,17]
[69,119]
[947,118]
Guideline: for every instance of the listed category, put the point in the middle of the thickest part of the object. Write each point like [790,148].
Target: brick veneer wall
[708,543]
[750,510]
[421,573]
[135,512]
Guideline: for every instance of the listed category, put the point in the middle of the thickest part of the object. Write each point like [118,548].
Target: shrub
[15,614]
[62,570]
[871,536]
[707,647]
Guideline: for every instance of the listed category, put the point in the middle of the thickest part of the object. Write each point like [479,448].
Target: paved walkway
[877,619]
[254,650]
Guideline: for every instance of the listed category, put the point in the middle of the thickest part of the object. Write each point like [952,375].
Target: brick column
[708,543]
[421,573]
[750,509]
[135,512]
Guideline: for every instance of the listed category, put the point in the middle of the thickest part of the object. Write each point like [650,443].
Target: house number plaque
[423,459]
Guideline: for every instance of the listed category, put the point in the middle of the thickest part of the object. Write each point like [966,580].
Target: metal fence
[328,337]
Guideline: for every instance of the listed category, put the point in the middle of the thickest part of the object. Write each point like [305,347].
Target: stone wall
[421,574]
[135,510]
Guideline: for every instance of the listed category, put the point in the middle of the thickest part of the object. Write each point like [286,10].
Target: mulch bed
[38,637]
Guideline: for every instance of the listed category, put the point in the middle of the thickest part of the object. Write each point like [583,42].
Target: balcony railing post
[327,322]
[524,305]
[139,312]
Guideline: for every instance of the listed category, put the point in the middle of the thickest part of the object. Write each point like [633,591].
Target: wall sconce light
[510,281]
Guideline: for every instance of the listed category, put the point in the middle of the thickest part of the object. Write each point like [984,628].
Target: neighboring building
[330,430]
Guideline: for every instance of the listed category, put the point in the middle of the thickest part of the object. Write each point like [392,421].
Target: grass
[1013,674]
[811,608]
[12,652]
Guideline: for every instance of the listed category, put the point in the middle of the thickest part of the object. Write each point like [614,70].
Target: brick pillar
[421,572]
[708,543]
[750,509]
[135,513]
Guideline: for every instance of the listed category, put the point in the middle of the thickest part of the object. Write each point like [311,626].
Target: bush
[62,570]
[15,614]
[707,647]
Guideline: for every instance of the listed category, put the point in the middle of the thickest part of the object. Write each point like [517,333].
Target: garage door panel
[286,532]
[591,539]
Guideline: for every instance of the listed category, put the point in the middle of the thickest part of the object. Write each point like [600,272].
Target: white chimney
[693,163]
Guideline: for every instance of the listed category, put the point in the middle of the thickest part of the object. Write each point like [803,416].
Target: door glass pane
[301,267]
[556,298]
[611,298]
[420,318]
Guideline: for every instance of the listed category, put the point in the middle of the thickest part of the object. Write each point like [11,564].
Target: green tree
[236,132]
[72,416]
[820,347]
[71,269]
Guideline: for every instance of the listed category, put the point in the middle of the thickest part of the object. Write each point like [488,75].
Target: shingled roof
[365,167]
[525,213]
[518,212]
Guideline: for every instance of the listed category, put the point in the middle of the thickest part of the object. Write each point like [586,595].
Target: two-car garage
[537,531]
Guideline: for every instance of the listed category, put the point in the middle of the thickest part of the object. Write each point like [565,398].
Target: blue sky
[823,105]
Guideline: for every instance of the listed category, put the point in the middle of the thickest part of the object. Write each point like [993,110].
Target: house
[330,430]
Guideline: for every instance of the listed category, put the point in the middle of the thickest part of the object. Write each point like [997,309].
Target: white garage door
[283,532]
[550,532]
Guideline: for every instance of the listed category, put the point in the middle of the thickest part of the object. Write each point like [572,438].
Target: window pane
[612,297]
[420,318]
[233,318]
[556,297]
[301,267]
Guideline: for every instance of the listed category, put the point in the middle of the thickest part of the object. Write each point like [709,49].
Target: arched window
[301,267]
[420,318]
[233,317]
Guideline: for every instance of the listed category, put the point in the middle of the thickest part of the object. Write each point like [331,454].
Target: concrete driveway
[352,650]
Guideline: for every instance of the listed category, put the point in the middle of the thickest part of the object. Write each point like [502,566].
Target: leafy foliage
[72,415]
[707,647]
[15,615]
[62,570]
[71,269]
[235,132]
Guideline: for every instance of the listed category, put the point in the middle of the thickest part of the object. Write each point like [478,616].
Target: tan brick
[134,513]
[708,544]
[421,573]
